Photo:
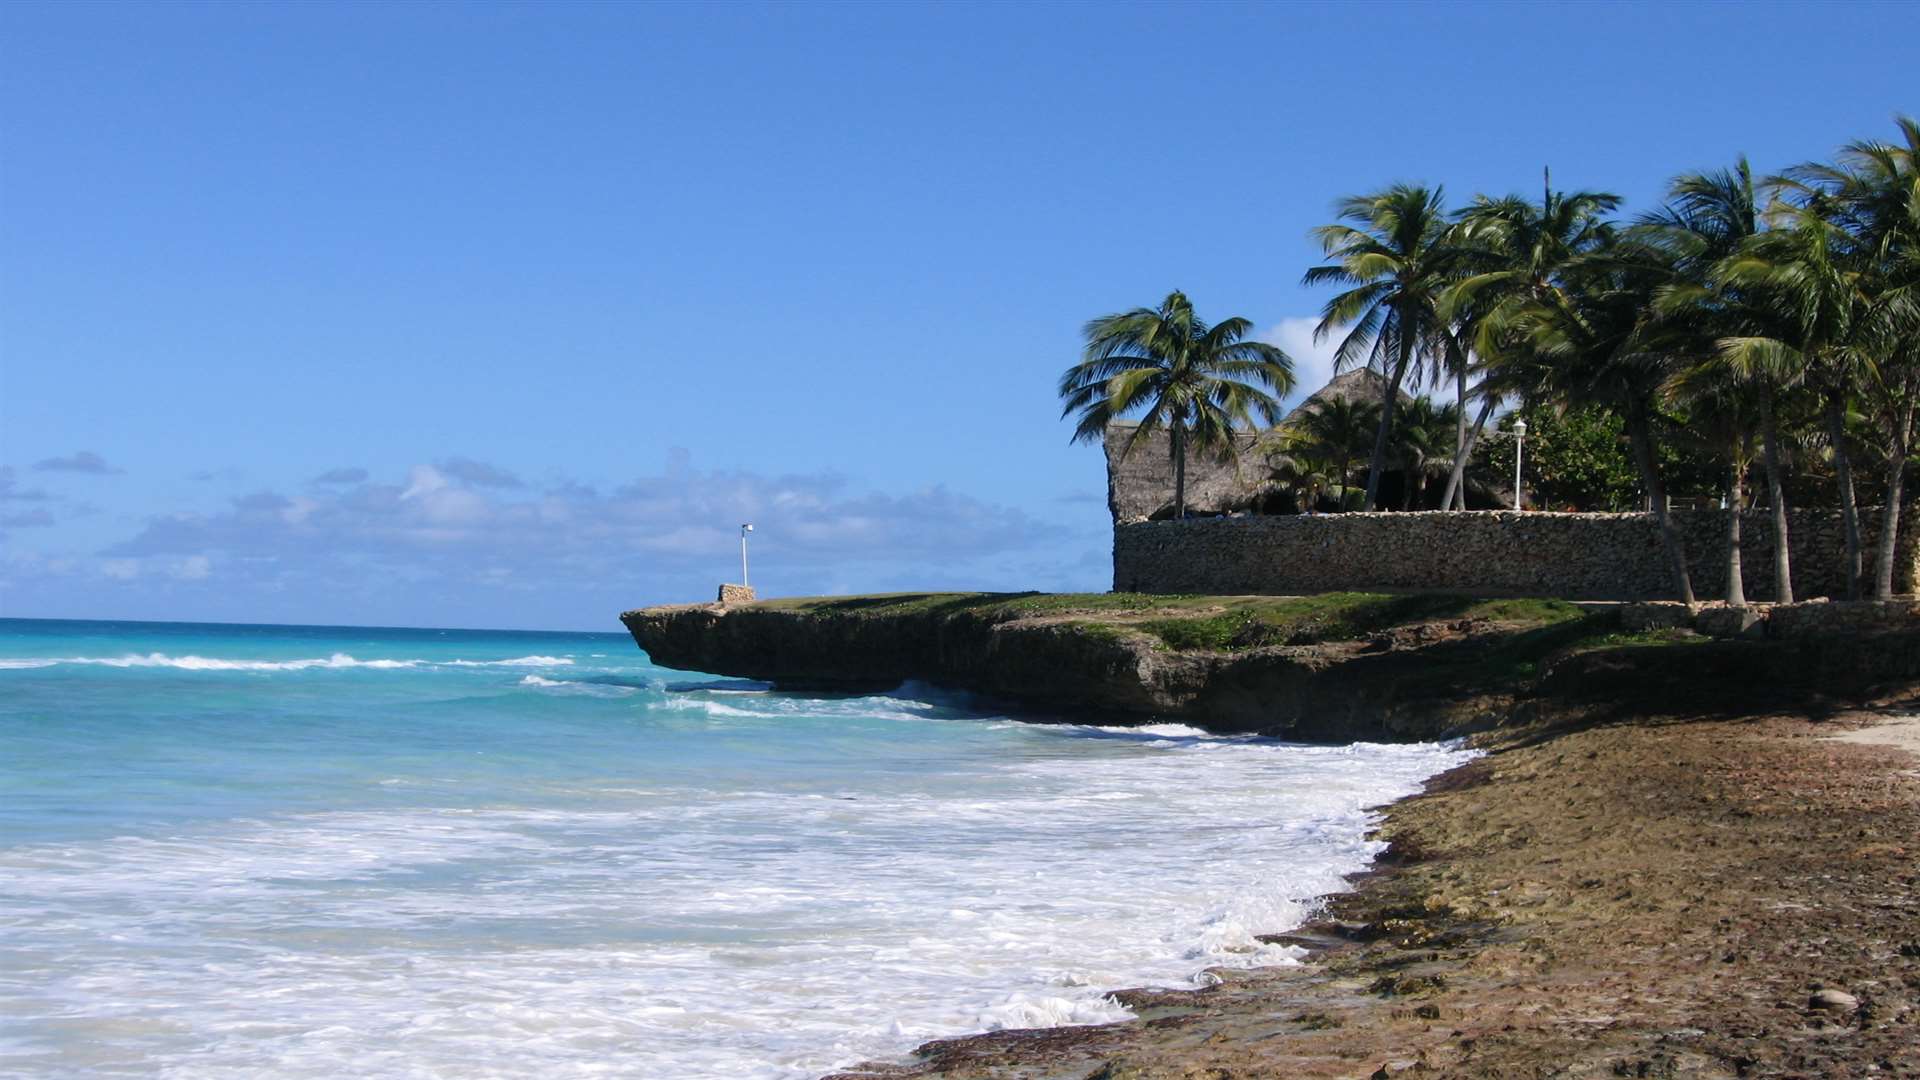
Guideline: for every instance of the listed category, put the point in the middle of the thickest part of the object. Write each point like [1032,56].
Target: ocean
[247,851]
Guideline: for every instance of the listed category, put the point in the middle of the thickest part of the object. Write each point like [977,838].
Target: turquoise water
[311,851]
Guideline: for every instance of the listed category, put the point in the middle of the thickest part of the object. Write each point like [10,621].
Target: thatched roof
[1140,483]
[1364,384]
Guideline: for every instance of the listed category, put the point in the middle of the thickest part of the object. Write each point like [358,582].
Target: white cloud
[1312,363]
[417,546]
[678,527]
[423,480]
[193,568]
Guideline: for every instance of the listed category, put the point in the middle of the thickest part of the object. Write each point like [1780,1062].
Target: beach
[1670,897]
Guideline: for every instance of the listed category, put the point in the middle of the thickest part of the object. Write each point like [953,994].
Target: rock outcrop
[1418,681]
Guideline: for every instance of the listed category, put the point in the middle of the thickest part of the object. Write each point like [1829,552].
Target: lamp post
[744,530]
[1519,448]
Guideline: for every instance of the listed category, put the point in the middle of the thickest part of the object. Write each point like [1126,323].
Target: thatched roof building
[1140,483]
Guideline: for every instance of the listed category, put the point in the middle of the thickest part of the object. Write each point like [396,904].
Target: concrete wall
[1582,556]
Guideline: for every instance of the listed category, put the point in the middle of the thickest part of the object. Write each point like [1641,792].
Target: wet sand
[1660,898]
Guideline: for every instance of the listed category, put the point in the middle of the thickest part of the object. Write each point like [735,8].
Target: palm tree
[1392,249]
[1595,341]
[1336,430]
[1198,382]
[1293,460]
[1721,417]
[1870,200]
[1514,249]
[1708,231]
[1421,442]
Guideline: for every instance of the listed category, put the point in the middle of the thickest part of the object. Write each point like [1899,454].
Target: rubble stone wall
[1495,553]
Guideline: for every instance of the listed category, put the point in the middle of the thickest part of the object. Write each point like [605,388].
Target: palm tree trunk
[1777,501]
[1457,480]
[1642,440]
[1179,470]
[1843,472]
[1391,399]
[1736,503]
[1460,425]
[1890,517]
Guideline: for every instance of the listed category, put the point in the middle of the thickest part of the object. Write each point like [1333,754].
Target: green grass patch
[1525,610]
[1196,623]
[1523,656]
[1304,620]
[894,604]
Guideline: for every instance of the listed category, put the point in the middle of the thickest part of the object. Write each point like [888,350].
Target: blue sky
[506,315]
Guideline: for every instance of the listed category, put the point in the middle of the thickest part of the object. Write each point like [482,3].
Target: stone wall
[1806,619]
[1579,556]
[735,594]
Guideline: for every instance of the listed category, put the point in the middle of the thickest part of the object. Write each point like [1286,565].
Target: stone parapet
[1496,553]
[736,594]
[1809,619]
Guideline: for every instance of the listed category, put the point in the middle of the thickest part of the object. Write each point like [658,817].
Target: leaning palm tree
[1197,382]
[1392,249]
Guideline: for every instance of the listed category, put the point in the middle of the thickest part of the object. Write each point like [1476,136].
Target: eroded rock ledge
[1394,677]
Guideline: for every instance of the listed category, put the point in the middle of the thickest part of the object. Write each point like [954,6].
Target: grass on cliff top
[1204,623]
[1525,654]
[1306,620]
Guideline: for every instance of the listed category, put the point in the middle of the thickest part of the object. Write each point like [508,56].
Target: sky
[506,315]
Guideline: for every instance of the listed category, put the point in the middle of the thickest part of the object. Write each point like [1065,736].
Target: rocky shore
[1333,668]
[1681,855]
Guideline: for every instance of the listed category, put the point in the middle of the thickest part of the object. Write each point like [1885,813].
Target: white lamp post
[1519,447]
[744,530]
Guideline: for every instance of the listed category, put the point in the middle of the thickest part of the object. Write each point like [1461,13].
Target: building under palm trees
[1140,483]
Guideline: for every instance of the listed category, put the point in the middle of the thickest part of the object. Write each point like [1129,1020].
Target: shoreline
[1666,864]
[1652,897]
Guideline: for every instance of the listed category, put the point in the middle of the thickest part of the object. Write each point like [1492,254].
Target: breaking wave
[336,661]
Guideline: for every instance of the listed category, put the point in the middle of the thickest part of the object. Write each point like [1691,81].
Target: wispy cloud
[11,491]
[478,473]
[82,461]
[341,476]
[30,519]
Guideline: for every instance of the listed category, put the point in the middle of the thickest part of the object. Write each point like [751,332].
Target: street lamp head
[746,528]
[1520,428]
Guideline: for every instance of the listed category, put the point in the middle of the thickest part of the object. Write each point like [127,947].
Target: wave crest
[213,663]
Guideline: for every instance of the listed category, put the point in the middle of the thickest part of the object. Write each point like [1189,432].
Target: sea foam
[575,871]
[337,661]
